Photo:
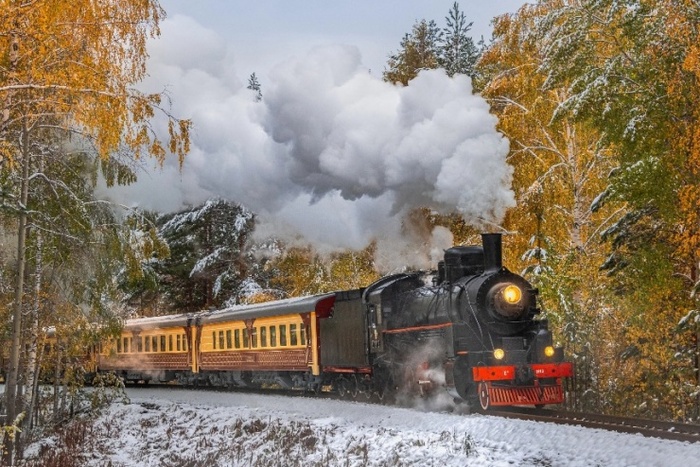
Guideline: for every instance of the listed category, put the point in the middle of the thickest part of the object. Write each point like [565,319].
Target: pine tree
[419,51]
[254,85]
[458,54]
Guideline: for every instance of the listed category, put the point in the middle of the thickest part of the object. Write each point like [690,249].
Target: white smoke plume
[332,154]
[422,385]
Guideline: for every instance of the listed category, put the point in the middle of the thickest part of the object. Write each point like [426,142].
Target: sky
[171,426]
[332,155]
[268,30]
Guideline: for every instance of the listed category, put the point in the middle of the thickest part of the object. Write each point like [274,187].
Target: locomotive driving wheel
[484,399]
[343,389]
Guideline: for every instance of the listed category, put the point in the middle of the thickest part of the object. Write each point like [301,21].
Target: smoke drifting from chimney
[332,154]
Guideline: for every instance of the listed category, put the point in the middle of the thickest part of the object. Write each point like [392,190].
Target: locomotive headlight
[512,294]
[507,300]
[498,354]
[549,351]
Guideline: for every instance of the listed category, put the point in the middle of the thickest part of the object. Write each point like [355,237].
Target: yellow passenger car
[266,342]
[150,349]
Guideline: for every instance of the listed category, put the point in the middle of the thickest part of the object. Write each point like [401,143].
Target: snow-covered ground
[190,428]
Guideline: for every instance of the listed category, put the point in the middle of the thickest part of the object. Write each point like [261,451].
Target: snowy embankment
[191,428]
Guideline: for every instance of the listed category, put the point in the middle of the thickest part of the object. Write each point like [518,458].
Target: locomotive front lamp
[498,354]
[512,294]
[549,351]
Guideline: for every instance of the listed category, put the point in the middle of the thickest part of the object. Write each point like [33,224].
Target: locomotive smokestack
[493,257]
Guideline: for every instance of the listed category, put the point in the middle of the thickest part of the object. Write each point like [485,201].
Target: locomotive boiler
[469,328]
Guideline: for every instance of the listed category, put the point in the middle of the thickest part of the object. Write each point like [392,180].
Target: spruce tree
[209,263]
[254,85]
[458,53]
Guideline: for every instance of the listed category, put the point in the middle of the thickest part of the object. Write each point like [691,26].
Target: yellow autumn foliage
[72,66]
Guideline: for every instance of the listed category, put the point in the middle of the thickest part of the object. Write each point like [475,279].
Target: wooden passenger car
[276,342]
[151,349]
[270,342]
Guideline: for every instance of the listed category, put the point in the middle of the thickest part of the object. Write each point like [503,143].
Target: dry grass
[161,439]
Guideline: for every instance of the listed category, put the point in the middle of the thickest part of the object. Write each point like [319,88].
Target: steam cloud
[331,153]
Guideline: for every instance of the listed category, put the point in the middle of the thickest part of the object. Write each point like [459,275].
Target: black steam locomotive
[467,329]
[474,324]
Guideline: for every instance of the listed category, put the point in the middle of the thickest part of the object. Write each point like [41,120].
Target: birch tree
[68,74]
[560,169]
[630,71]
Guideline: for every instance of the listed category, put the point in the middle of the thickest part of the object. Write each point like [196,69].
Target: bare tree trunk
[694,276]
[56,379]
[35,389]
[12,403]
[32,368]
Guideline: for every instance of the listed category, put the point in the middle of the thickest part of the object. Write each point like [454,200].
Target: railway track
[649,428]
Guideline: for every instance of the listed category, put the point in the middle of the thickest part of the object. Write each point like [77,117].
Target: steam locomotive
[468,328]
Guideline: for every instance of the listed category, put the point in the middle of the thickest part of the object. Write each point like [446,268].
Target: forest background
[600,103]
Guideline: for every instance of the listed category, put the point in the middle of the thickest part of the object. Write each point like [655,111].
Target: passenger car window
[292,334]
[283,335]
